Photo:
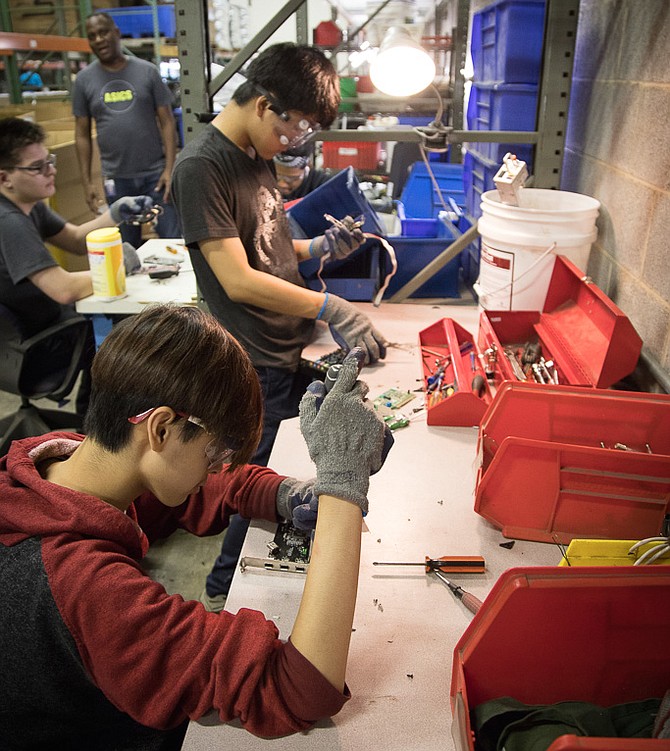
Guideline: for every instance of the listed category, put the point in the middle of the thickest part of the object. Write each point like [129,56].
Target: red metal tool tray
[559,462]
[590,340]
[545,635]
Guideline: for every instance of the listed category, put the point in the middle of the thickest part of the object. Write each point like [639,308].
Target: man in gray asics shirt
[136,130]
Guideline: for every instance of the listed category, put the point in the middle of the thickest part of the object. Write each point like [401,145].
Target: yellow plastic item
[607,553]
[105,256]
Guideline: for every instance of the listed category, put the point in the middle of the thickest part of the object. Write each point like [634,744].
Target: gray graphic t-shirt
[123,104]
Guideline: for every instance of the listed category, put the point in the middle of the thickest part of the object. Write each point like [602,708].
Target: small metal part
[516,367]
[270,564]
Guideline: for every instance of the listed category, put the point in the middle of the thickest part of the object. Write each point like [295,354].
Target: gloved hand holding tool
[344,435]
[351,328]
[338,241]
[134,210]
[297,502]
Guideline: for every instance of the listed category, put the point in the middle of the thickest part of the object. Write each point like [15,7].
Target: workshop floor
[180,563]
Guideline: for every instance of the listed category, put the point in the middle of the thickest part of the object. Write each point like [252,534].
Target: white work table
[143,291]
[407,623]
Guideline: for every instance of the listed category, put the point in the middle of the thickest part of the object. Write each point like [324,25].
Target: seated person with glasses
[95,654]
[238,236]
[296,175]
[32,284]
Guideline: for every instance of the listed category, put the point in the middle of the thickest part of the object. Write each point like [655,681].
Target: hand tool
[471,564]
[471,602]
[478,385]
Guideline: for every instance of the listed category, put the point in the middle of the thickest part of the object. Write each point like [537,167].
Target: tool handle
[471,602]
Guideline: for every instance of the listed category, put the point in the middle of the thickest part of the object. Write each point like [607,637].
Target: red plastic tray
[558,462]
[544,635]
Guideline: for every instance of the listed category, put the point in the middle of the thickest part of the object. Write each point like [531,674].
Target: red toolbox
[590,341]
[559,462]
[546,635]
[587,338]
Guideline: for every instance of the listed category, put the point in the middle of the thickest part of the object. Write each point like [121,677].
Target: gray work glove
[130,259]
[344,436]
[297,502]
[350,328]
[338,241]
[131,209]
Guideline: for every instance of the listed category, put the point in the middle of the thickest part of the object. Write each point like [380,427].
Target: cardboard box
[560,462]
[545,635]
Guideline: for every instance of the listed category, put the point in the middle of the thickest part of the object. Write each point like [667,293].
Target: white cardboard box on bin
[519,244]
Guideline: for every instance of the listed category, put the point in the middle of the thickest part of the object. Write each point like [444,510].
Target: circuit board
[319,367]
[391,400]
[291,544]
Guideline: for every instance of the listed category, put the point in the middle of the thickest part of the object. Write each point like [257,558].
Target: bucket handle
[544,254]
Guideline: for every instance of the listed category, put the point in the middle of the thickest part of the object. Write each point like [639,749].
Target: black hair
[299,76]
[15,134]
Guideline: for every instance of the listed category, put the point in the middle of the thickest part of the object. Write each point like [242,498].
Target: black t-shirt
[22,253]
[221,192]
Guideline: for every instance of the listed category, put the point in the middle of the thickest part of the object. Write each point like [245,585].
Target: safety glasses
[41,168]
[293,130]
[216,455]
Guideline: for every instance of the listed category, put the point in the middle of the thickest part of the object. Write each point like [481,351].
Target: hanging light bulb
[402,67]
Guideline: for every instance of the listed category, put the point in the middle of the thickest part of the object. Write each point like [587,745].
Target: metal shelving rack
[549,137]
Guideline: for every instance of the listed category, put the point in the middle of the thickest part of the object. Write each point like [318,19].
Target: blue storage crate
[478,174]
[357,278]
[507,41]
[419,196]
[502,107]
[415,253]
[137,21]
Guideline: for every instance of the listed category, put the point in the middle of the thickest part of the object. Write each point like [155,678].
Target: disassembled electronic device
[510,179]
[318,368]
[290,551]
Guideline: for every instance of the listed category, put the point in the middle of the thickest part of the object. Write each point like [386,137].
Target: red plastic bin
[356,154]
[545,635]
[559,462]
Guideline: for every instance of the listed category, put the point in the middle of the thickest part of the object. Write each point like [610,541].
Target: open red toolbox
[546,635]
[559,462]
[588,340]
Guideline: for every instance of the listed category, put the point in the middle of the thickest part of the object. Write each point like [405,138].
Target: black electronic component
[291,544]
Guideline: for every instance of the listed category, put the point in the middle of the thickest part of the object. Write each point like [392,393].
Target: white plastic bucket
[519,244]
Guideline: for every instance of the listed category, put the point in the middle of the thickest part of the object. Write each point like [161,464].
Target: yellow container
[607,553]
[105,258]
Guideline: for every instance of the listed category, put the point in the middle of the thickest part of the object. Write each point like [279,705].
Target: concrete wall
[618,150]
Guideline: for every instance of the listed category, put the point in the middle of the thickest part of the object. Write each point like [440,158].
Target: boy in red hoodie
[97,655]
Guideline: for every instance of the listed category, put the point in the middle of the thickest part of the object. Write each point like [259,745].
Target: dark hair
[299,76]
[182,358]
[15,134]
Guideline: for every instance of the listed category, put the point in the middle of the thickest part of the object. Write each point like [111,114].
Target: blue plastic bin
[137,21]
[358,278]
[415,253]
[419,196]
[507,40]
[478,174]
[502,107]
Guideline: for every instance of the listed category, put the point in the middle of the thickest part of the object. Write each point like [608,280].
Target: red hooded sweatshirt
[96,655]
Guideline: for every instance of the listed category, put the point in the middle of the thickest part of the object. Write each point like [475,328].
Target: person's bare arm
[322,629]
[73,237]
[65,287]
[169,137]
[228,261]
[84,147]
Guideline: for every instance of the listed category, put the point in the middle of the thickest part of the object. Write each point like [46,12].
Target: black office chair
[45,365]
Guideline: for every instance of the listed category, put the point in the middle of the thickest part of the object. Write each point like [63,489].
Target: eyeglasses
[294,131]
[216,456]
[41,168]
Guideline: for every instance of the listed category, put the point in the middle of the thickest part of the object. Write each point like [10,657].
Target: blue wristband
[311,245]
[323,307]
